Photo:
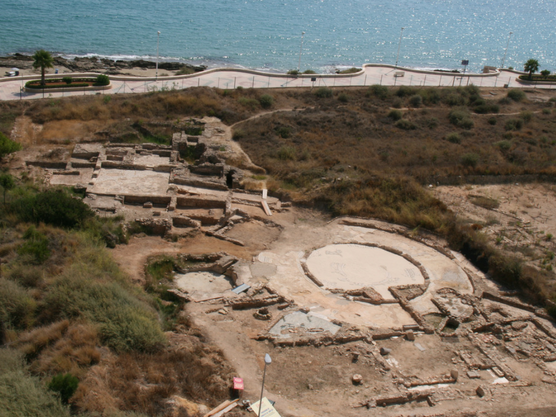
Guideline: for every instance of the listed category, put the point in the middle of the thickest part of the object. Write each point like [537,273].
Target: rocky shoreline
[94,64]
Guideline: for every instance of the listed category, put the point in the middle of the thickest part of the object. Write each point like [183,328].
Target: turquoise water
[266,34]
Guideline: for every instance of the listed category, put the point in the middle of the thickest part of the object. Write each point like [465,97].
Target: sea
[279,35]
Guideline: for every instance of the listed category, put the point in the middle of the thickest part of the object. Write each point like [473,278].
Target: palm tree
[43,60]
[531,66]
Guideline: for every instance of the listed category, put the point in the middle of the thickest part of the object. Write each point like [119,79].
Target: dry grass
[144,383]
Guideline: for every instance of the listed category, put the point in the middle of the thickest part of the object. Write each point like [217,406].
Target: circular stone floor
[351,266]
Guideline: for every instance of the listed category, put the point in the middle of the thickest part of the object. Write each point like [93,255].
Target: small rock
[454,374]
[481,392]
[223,312]
[473,374]
[519,325]
[385,351]
[357,379]
[355,356]
[410,335]
[148,204]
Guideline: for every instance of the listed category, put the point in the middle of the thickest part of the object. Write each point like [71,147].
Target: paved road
[10,88]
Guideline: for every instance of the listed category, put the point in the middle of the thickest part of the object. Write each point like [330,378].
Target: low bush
[309,72]
[504,145]
[486,108]
[454,99]
[125,323]
[406,91]
[55,207]
[293,72]
[266,101]
[395,115]
[351,70]
[516,95]
[461,118]
[415,101]
[22,394]
[470,160]
[513,124]
[492,121]
[65,385]
[343,97]
[286,153]
[7,145]
[102,80]
[379,91]
[185,71]
[405,125]
[453,138]
[250,103]
[526,116]
[17,306]
[35,246]
[67,80]
[324,92]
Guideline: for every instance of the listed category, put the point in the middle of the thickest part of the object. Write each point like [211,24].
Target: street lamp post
[267,361]
[506,51]
[157,42]
[300,49]
[399,46]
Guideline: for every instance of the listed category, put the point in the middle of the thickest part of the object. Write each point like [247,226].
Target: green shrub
[432,123]
[293,72]
[514,124]
[492,121]
[185,71]
[23,395]
[324,92]
[470,159]
[17,307]
[395,115]
[453,138]
[546,111]
[249,102]
[526,116]
[351,70]
[379,91]
[65,385]
[486,108]
[405,91]
[405,125]
[55,207]
[124,322]
[397,103]
[461,118]
[7,145]
[309,72]
[504,145]
[35,245]
[266,101]
[67,80]
[7,183]
[516,95]
[26,275]
[454,99]
[102,80]
[286,153]
[415,101]
[343,98]
[283,131]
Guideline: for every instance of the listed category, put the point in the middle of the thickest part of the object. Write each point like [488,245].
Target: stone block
[409,335]
[385,351]
[148,204]
[454,374]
